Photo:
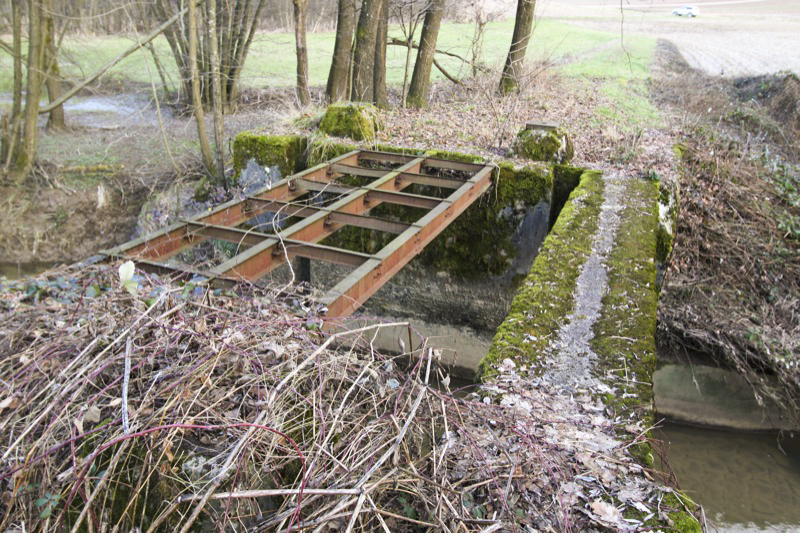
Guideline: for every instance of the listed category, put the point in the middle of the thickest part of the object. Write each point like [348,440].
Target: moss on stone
[454,156]
[627,324]
[565,179]
[668,199]
[359,122]
[626,329]
[287,152]
[545,297]
[550,145]
[479,242]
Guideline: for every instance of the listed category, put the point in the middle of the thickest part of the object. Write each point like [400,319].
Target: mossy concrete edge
[287,152]
[624,335]
[545,297]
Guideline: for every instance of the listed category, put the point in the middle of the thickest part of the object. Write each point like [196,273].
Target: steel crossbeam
[324,204]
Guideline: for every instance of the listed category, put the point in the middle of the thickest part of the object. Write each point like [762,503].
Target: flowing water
[746,482]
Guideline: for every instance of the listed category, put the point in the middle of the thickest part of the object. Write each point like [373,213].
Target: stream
[21,270]
[746,482]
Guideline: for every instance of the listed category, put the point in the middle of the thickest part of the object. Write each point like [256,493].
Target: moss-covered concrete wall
[287,152]
[545,296]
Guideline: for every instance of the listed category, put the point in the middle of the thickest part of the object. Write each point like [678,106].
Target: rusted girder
[324,206]
[362,283]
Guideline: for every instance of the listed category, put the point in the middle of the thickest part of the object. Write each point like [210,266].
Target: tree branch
[102,70]
[400,42]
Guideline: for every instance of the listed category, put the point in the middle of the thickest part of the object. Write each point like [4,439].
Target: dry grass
[178,406]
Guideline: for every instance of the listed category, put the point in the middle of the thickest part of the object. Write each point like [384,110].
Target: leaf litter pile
[131,402]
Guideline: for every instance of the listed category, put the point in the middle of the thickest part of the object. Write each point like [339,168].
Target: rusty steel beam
[267,251]
[378,196]
[383,157]
[361,221]
[446,164]
[334,217]
[259,260]
[422,179]
[317,186]
[174,239]
[363,282]
[320,252]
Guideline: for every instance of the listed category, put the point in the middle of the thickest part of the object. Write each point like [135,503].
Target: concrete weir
[459,289]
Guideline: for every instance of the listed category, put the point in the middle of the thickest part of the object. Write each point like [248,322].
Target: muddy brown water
[21,270]
[746,482]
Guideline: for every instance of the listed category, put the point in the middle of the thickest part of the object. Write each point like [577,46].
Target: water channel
[746,482]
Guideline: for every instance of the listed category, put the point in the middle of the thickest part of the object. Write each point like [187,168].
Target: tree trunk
[216,93]
[364,55]
[53,80]
[523,26]
[379,65]
[26,151]
[300,8]
[339,77]
[197,101]
[407,73]
[239,55]
[11,126]
[421,80]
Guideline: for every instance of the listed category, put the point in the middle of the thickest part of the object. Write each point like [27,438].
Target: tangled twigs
[241,411]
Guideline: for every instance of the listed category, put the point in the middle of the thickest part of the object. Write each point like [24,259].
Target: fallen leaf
[92,414]
[606,512]
[11,402]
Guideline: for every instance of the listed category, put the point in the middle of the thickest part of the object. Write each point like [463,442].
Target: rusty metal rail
[324,204]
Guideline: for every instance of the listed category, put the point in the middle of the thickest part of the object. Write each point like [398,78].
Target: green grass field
[580,53]
[271,59]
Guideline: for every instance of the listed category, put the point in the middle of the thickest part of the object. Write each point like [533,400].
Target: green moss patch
[479,242]
[359,122]
[287,152]
[550,145]
[545,297]
[624,335]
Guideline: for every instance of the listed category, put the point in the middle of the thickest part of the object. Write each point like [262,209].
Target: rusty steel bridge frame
[286,197]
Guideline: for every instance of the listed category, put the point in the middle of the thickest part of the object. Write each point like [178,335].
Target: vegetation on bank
[733,281]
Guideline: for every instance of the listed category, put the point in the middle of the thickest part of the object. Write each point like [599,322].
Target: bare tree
[56,120]
[197,101]
[338,87]
[421,80]
[19,131]
[482,12]
[364,54]
[216,92]
[300,9]
[24,153]
[523,26]
[379,96]
[236,27]
[410,13]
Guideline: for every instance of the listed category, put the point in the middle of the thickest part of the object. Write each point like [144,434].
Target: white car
[688,11]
